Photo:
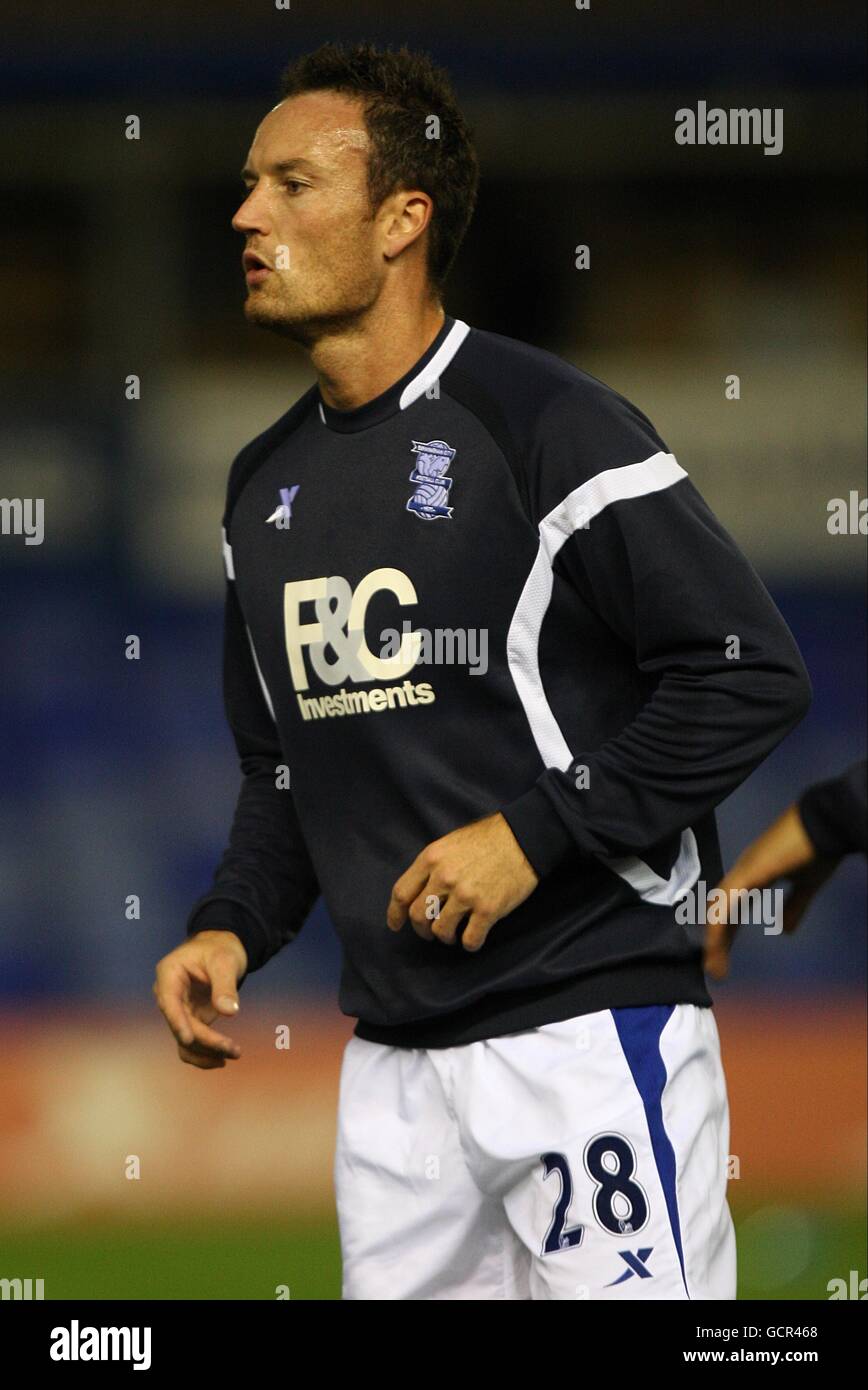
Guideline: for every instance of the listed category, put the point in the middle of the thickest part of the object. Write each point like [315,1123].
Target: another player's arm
[804,845]
[265,884]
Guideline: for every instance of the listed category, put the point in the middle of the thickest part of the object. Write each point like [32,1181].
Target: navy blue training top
[491,588]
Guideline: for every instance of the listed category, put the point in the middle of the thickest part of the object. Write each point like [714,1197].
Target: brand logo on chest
[283,514]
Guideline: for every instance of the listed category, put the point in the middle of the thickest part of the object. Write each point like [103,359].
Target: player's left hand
[479,870]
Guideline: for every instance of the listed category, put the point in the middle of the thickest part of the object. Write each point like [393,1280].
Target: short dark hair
[400,90]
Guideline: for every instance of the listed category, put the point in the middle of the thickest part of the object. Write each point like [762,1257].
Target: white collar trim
[437,366]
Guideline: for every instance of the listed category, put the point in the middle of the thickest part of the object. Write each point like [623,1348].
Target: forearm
[265,885]
[697,738]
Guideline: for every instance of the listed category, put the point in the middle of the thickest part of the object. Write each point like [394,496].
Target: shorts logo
[429,475]
[636,1264]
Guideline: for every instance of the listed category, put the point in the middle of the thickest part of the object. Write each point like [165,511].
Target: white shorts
[579,1160]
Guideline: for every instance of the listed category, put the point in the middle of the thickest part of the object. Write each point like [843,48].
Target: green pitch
[785,1252]
[213,1257]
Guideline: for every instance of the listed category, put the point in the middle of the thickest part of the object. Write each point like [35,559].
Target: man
[532,1105]
[805,845]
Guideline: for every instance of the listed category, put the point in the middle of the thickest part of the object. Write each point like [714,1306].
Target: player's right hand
[196,983]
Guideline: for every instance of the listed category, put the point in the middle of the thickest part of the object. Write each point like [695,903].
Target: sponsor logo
[335,649]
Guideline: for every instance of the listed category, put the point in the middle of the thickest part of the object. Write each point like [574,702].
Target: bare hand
[479,870]
[194,984]
[784,850]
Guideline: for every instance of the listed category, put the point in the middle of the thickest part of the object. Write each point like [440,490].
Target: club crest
[429,475]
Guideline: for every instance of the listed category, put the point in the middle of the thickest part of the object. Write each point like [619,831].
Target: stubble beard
[306,324]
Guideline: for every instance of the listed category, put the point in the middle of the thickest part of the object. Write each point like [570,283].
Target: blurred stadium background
[119,776]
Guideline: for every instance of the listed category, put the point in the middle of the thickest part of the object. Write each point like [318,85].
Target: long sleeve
[718,676]
[265,884]
[835,813]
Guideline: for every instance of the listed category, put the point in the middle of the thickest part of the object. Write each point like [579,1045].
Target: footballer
[532,1104]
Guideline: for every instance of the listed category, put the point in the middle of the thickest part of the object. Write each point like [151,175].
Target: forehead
[327,128]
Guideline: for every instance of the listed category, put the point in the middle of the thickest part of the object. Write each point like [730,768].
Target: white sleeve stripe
[260,675]
[522,645]
[227,555]
[569,516]
[230,574]
[614,485]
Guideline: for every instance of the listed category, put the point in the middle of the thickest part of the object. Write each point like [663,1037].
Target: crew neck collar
[433,362]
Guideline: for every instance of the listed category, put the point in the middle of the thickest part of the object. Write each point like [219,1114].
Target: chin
[304,324]
[270,316]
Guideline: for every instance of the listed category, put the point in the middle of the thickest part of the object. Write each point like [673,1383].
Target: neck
[362,360]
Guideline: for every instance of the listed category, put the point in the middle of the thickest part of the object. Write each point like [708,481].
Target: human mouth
[256,269]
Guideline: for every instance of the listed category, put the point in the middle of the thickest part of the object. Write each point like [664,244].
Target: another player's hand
[479,870]
[194,984]
[784,850]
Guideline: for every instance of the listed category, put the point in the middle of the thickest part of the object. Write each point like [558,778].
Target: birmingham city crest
[432,483]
